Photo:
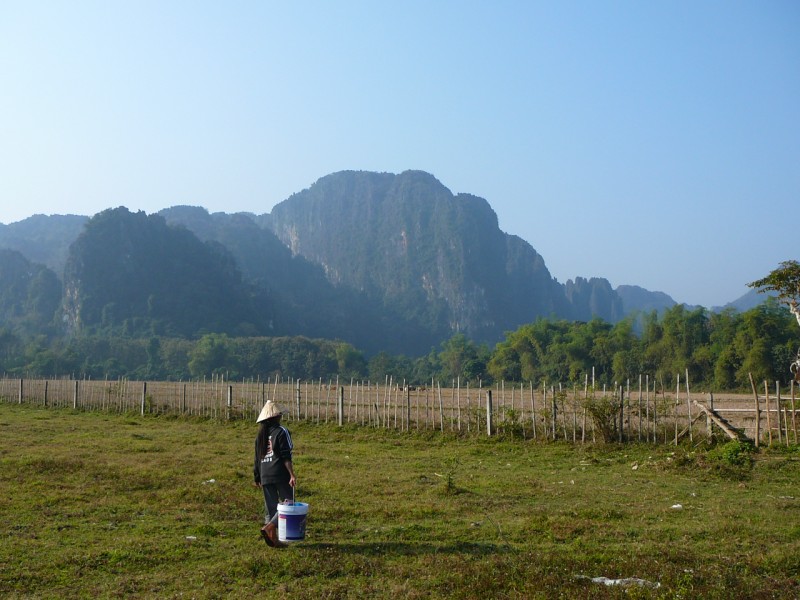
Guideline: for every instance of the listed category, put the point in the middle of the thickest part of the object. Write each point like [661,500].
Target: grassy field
[97,505]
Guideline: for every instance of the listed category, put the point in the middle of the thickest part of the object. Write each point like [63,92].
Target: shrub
[734,453]
[603,412]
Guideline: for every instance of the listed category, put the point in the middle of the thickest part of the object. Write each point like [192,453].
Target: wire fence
[637,411]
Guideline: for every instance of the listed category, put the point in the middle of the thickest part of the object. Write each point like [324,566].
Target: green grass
[95,505]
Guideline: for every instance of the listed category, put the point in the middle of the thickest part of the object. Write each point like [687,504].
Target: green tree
[627,360]
[458,353]
[504,364]
[350,363]
[760,338]
[10,350]
[154,370]
[399,368]
[210,356]
[785,280]
[426,367]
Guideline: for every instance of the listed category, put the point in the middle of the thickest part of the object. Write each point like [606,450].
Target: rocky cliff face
[304,301]
[592,298]
[407,242]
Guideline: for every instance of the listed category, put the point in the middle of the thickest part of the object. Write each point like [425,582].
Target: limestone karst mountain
[393,262]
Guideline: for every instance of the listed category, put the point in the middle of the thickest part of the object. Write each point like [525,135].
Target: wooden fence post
[441,407]
[758,410]
[45,392]
[458,401]
[647,408]
[408,408]
[20,391]
[229,403]
[144,395]
[349,401]
[785,415]
[677,400]
[778,406]
[689,406]
[628,406]
[708,417]
[640,409]
[769,420]
[794,416]
[489,412]
[340,407]
[305,399]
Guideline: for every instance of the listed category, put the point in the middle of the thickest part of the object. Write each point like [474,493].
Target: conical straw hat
[269,411]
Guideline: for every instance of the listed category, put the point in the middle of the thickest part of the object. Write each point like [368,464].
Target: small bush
[734,453]
[603,411]
[510,424]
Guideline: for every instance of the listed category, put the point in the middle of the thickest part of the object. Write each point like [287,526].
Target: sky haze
[655,144]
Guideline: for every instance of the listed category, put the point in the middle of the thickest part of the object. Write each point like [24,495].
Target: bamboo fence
[640,411]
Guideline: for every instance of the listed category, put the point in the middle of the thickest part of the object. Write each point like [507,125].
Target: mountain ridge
[370,258]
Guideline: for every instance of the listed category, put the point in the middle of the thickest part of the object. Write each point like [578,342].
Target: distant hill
[635,298]
[43,239]
[131,273]
[393,262]
[750,300]
[592,298]
[304,301]
[30,294]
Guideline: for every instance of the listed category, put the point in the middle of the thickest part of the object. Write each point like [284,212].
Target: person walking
[273,471]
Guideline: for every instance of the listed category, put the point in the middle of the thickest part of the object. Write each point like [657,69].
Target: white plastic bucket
[292,521]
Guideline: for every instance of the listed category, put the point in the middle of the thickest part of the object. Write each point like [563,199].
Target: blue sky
[654,144]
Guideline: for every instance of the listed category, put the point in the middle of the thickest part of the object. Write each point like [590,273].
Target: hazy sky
[650,143]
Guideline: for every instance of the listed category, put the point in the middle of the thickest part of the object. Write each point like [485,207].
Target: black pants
[273,493]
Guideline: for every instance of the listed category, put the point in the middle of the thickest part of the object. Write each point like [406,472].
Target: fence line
[533,411]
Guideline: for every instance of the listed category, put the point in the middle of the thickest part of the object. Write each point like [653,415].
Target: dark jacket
[273,447]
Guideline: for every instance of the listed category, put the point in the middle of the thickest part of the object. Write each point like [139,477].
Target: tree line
[719,350]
